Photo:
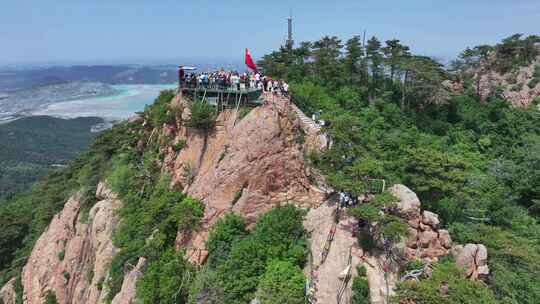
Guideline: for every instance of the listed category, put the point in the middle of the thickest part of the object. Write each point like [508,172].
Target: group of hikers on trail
[345,199]
[232,80]
[348,200]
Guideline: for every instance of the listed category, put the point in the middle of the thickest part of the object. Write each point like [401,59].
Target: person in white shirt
[285,88]
[257,79]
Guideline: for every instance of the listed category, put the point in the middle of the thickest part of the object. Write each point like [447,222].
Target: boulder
[445,239]
[427,237]
[481,255]
[408,206]
[472,258]
[431,219]
[103,192]
[414,223]
[7,293]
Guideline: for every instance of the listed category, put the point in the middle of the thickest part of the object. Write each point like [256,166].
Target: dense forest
[391,115]
[475,162]
[32,145]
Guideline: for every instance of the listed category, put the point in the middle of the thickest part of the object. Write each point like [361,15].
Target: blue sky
[130,31]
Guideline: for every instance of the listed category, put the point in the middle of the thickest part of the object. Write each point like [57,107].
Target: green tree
[222,236]
[360,287]
[446,285]
[422,82]
[283,282]
[326,53]
[378,222]
[207,288]
[353,58]
[166,280]
[159,112]
[202,116]
[50,298]
[514,261]
[394,52]
[375,59]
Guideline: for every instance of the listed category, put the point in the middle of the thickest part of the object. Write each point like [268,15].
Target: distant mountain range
[24,79]
[17,78]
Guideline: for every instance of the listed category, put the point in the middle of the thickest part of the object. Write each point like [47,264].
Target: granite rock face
[7,292]
[247,165]
[73,254]
[127,294]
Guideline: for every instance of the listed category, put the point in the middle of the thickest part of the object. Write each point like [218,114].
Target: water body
[128,100]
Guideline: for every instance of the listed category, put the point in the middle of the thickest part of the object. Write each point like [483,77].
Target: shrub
[50,298]
[243,112]
[179,145]
[241,260]
[410,266]
[224,153]
[447,284]
[300,136]
[159,112]
[394,228]
[240,273]
[282,233]
[533,83]
[202,116]
[66,276]
[99,284]
[151,219]
[283,282]
[89,275]
[206,288]
[166,280]
[222,237]
[360,287]
[377,210]
[516,87]
[61,255]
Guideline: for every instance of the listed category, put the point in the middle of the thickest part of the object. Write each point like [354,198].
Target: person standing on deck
[269,85]
[275,87]
[257,79]
[181,76]
[285,89]
[264,83]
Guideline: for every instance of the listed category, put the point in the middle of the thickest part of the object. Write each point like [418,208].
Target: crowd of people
[232,80]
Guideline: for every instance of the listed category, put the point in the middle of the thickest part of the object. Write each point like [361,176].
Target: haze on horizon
[130,31]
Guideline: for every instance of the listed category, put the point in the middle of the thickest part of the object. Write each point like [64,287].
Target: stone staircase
[310,127]
[306,121]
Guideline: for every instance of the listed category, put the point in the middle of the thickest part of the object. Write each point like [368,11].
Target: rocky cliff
[520,86]
[71,257]
[247,164]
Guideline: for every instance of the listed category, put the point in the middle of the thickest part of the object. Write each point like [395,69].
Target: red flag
[249,61]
